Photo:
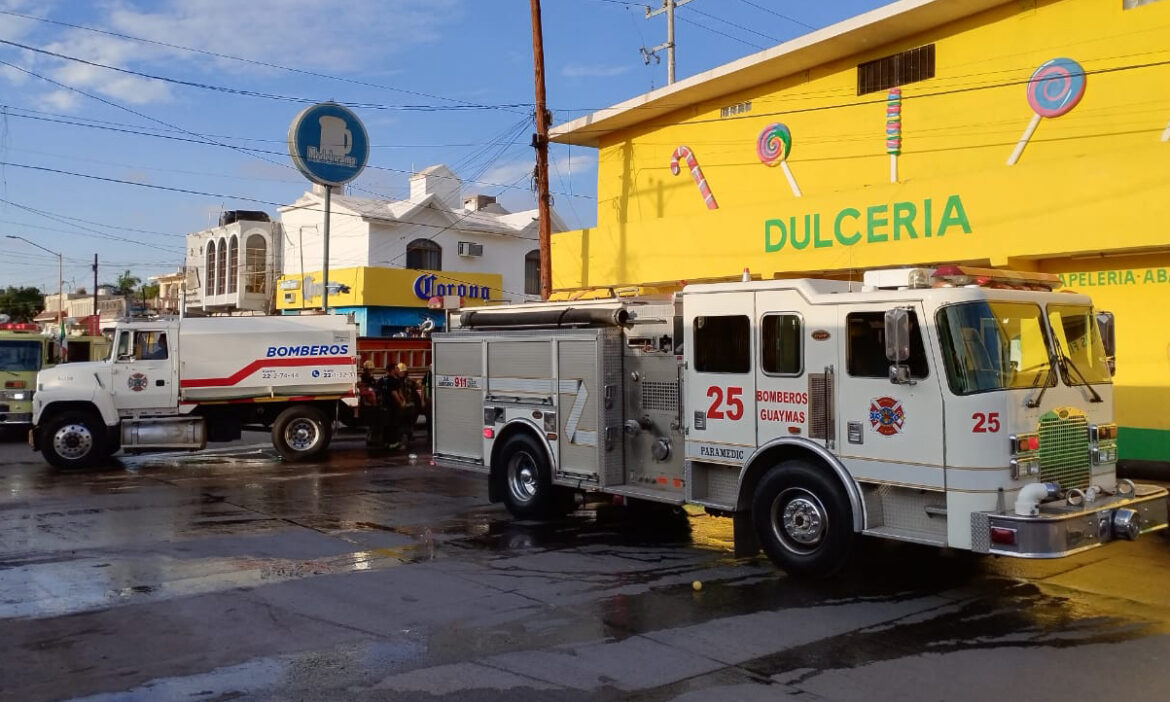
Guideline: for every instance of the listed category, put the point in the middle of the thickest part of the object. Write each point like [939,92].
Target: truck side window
[723,344]
[150,346]
[780,345]
[123,345]
[865,355]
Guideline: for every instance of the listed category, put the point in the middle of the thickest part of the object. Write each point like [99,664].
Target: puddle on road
[79,585]
[1013,615]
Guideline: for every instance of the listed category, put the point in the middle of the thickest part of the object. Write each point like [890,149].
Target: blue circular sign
[328,143]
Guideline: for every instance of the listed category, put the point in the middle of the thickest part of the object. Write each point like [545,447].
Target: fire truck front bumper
[15,418]
[1062,529]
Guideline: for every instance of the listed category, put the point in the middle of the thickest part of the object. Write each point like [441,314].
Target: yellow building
[1028,134]
[389,298]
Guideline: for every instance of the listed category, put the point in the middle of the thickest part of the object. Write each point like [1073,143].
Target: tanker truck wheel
[803,519]
[301,433]
[73,440]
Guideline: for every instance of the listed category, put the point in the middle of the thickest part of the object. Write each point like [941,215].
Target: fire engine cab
[960,407]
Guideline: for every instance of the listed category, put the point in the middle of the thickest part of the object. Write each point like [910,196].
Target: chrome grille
[1064,448]
[660,396]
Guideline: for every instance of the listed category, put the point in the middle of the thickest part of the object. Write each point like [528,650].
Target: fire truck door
[143,373]
[887,432]
[783,324]
[720,382]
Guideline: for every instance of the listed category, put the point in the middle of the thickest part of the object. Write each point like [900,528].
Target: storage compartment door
[458,399]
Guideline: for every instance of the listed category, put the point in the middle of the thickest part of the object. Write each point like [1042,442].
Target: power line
[240,59]
[256,93]
[77,120]
[880,97]
[92,232]
[249,150]
[722,34]
[773,12]
[691,8]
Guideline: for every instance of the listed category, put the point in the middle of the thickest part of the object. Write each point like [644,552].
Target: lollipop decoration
[684,153]
[773,146]
[894,130]
[1055,88]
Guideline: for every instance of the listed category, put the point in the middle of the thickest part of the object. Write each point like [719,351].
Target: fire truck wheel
[74,440]
[803,519]
[527,489]
[301,433]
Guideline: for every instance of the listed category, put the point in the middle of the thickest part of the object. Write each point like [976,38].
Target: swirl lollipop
[773,146]
[1055,88]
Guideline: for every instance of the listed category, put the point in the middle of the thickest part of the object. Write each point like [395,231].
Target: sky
[127,124]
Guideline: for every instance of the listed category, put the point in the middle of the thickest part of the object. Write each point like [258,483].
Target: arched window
[233,264]
[210,277]
[424,254]
[532,272]
[221,268]
[255,263]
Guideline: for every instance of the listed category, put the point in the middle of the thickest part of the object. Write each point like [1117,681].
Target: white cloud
[60,100]
[318,37]
[582,70]
[323,37]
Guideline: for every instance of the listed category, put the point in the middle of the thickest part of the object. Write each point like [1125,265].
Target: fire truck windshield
[990,345]
[20,355]
[1079,339]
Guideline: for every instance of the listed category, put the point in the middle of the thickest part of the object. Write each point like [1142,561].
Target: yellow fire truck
[25,350]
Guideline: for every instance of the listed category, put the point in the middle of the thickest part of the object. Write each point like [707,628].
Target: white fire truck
[960,407]
[176,383]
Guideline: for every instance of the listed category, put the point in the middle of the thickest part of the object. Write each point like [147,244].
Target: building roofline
[878,27]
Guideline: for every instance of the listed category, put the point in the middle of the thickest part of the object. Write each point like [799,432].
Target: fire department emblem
[886,416]
[137,382]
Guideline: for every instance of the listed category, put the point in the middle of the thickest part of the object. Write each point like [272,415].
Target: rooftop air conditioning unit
[469,248]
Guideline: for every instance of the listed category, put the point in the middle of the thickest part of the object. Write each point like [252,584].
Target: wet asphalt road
[234,576]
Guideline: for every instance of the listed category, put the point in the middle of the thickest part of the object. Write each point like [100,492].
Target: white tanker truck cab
[174,384]
[963,408]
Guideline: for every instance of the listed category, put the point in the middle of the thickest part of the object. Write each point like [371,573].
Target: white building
[232,268]
[436,229]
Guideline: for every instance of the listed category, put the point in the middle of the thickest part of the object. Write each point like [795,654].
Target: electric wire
[240,59]
[255,93]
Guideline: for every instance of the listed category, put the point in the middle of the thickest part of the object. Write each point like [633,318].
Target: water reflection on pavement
[233,575]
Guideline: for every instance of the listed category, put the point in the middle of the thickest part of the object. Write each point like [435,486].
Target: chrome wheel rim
[73,441]
[799,520]
[302,434]
[522,474]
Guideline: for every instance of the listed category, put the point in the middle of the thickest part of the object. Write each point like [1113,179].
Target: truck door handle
[160,383]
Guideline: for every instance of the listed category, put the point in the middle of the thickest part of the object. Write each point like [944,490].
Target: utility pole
[540,143]
[97,318]
[667,7]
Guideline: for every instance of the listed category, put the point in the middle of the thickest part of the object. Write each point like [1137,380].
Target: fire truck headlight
[1023,468]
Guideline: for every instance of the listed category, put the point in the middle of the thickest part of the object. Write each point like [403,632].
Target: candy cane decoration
[685,154]
[894,130]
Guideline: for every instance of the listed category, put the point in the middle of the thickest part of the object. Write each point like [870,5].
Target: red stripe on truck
[265,363]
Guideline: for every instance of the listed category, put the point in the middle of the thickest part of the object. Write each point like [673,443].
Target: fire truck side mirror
[898,334]
[898,344]
[1108,339]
